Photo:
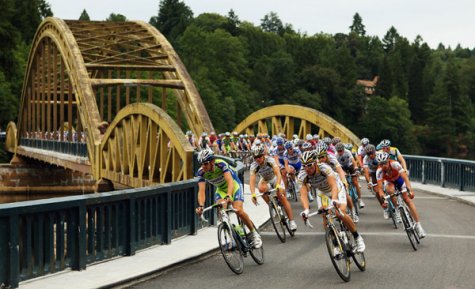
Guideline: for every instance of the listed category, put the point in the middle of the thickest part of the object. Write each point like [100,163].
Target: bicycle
[292,187]
[353,194]
[234,238]
[280,220]
[407,220]
[390,209]
[340,241]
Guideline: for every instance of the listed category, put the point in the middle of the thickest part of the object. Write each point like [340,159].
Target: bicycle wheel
[411,234]
[292,190]
[358,257]
[276,219]
[392,214]
[230,249]
[257,254]
[338,256]
[285,221]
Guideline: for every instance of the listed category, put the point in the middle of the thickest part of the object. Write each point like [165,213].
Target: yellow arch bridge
[95,100]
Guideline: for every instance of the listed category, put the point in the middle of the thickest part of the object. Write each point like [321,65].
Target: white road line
[383,234]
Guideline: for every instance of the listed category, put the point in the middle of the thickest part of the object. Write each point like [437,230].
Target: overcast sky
[448,22]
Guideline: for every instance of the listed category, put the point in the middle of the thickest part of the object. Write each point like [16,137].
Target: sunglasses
[258,157]
[308,165]
[205,163]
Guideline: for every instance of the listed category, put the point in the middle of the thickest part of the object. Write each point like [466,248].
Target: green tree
[357,26]
[172,19]
[28,15]
[8,102]
[84,16]
[272,23]
[232,25]
[116,17]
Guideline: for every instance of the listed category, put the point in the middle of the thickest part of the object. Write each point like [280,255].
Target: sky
[447,22]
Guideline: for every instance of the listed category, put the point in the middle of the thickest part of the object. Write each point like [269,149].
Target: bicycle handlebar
[220,204]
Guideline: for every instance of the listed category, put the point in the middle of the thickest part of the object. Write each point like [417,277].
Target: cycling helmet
[295,136]
[306,146]
[235,133]
[339,147]
[257,142]
[245,135]
[364,141]
[385,143]
[316,136]
[204,134]
[382,157]
[241,136]
[349,146]
[296,142]
[257,150]
[309,157]
[279,141]
[321,149]
[308,137]
[205,156]
[336,140]
[227,133]
[369,149]
[188,133]
[288,145]
[327,140]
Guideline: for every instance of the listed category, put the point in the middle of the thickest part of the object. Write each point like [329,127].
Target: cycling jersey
[391,175]
[265,170]
[393,152]
[216,178]
[319,181]
[371,164]
[346,159]
[294,158]
[279,153]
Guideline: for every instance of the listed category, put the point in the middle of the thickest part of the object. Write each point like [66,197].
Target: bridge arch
[295,119]
[82,73]
[144,146]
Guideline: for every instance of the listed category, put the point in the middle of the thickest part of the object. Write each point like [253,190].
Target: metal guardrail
[451,173]
[65,147]
[47,236]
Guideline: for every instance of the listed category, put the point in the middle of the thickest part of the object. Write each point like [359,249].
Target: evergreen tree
[173,18]
[357,27]
[84,16]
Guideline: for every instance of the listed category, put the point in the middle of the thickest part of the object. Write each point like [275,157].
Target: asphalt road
[445,259]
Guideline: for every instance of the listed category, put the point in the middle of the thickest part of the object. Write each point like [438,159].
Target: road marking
[416,198]
[383,234]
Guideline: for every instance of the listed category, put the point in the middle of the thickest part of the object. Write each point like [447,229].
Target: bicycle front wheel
[358,257]
[230,249]
[338,256]
[285,221]
[276,219]
[292,190]
[392,213]
[408,227]
[257,254]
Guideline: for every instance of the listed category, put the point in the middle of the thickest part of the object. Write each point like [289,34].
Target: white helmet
[382,157]
[308,137]
[257,150]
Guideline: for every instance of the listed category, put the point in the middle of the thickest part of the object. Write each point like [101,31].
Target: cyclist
[392,174]
[361,152]
[323,178]
[191,139]
[332,161]
[348,164]
[204,141]
[278,153]
[227,143]
[370,165]
[269,173]
[394,153]
[292,159]
[229,188]
[330,147]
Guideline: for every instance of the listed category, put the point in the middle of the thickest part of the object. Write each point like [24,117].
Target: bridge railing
[65,147]
[451,173]
[47,236]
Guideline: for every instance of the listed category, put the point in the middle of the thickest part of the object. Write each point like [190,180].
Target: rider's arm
[366,175]
[360,160]
[406,180]
[304,196]
[201,193]
[333,185]
[278,176]
[286,164]
[353,162]
[342,175]
[401,160]
[380,189]
[252,183]
[230,181]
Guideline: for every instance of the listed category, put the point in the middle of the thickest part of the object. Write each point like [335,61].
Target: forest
[423,101]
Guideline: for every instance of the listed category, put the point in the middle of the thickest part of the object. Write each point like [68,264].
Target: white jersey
[371,164]
[345,160]
[319,179]
[266,170]
[332,162]
[361,152]
[294,158]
